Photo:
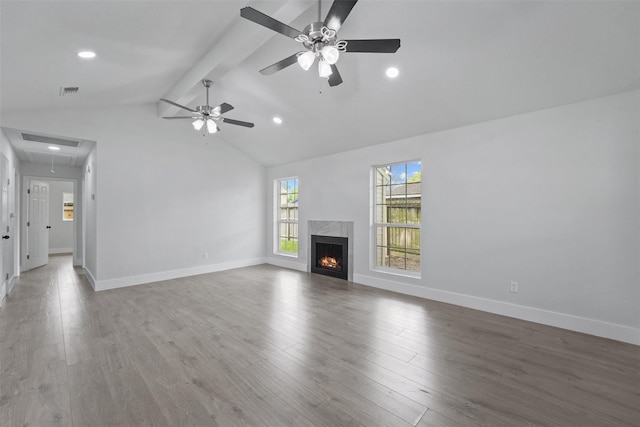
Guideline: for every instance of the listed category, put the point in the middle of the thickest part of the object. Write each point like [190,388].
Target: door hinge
[27,256]
[6,277]
[28,223]
[28,191]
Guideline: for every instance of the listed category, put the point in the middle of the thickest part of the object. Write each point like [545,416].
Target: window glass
[397,216]
[67,206]
[287,222]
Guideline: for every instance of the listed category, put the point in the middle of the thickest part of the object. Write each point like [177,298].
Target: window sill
[395,272]
[285,254]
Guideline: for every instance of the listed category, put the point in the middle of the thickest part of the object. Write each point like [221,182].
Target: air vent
[49,140]
[71,90]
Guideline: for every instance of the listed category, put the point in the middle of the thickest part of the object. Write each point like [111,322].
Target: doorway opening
[51,220]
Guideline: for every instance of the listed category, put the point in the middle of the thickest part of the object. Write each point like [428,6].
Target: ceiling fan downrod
[207,83]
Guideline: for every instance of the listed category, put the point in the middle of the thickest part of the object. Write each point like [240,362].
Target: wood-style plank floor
[268,346]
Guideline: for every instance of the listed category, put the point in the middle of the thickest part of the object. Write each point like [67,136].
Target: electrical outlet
[513,287]
[205,255]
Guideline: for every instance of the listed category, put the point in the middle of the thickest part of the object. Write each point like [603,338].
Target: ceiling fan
[321,41]
[207,115]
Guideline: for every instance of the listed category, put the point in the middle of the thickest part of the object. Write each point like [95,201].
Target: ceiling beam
[242,39]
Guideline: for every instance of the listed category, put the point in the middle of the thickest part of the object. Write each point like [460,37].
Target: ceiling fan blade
[266,21]
[339,11]
[238,122]
[224,107]
[280,65]
[373,46]
[178,105]
[181,117]
[335,78]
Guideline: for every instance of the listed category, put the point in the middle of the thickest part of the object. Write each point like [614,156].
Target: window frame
[64,206]
[278,221]
[375,225]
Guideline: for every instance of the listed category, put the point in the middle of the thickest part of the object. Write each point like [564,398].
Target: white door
[37,224]
[7,245]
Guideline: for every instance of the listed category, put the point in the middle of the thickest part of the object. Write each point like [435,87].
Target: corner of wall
[90,278]
[285,262]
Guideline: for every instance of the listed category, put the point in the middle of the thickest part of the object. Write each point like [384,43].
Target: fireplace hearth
[330,256]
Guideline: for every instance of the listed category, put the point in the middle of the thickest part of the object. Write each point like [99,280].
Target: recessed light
[392,72]
[277,120]
[86,54]
[53,147]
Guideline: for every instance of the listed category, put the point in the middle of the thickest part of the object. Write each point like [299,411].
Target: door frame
[78,234]
[8,249]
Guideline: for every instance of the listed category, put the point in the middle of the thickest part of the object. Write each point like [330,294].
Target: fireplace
[330,256]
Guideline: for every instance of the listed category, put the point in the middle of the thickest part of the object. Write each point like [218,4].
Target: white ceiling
[460,62]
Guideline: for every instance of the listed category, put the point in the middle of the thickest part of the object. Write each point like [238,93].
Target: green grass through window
[289,246]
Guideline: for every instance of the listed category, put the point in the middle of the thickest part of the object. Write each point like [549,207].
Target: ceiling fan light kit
[211,126]
[324,69]
[330,54]
[197,124]
[322,44]
[320,40]
[306,59]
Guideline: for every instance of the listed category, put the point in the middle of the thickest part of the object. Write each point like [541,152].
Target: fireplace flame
[328,262]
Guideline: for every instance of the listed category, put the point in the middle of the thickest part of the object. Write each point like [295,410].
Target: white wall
[90,216]
[550,199]
[164,195]
[61,232]
[14,212]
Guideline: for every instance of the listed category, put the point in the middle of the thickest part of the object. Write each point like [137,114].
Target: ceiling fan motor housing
[316,36]
[205,110]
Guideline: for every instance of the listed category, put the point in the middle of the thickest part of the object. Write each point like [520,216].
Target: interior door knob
[5,237]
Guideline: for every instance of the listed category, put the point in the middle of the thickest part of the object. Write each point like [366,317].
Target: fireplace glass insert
[329,256]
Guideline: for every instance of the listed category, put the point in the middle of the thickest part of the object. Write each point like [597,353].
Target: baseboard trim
[286,263]
[103,285]
[550,318]
[11,284]
[9,287]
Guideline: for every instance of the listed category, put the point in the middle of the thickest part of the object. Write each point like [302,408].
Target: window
[67,206]
[398,195]
[287,216]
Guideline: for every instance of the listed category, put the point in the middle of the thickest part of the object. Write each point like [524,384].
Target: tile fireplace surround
[335,229]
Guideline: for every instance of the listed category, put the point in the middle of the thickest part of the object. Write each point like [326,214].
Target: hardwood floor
[269,346]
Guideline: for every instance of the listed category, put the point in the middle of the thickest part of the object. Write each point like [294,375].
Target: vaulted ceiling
[460,62]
